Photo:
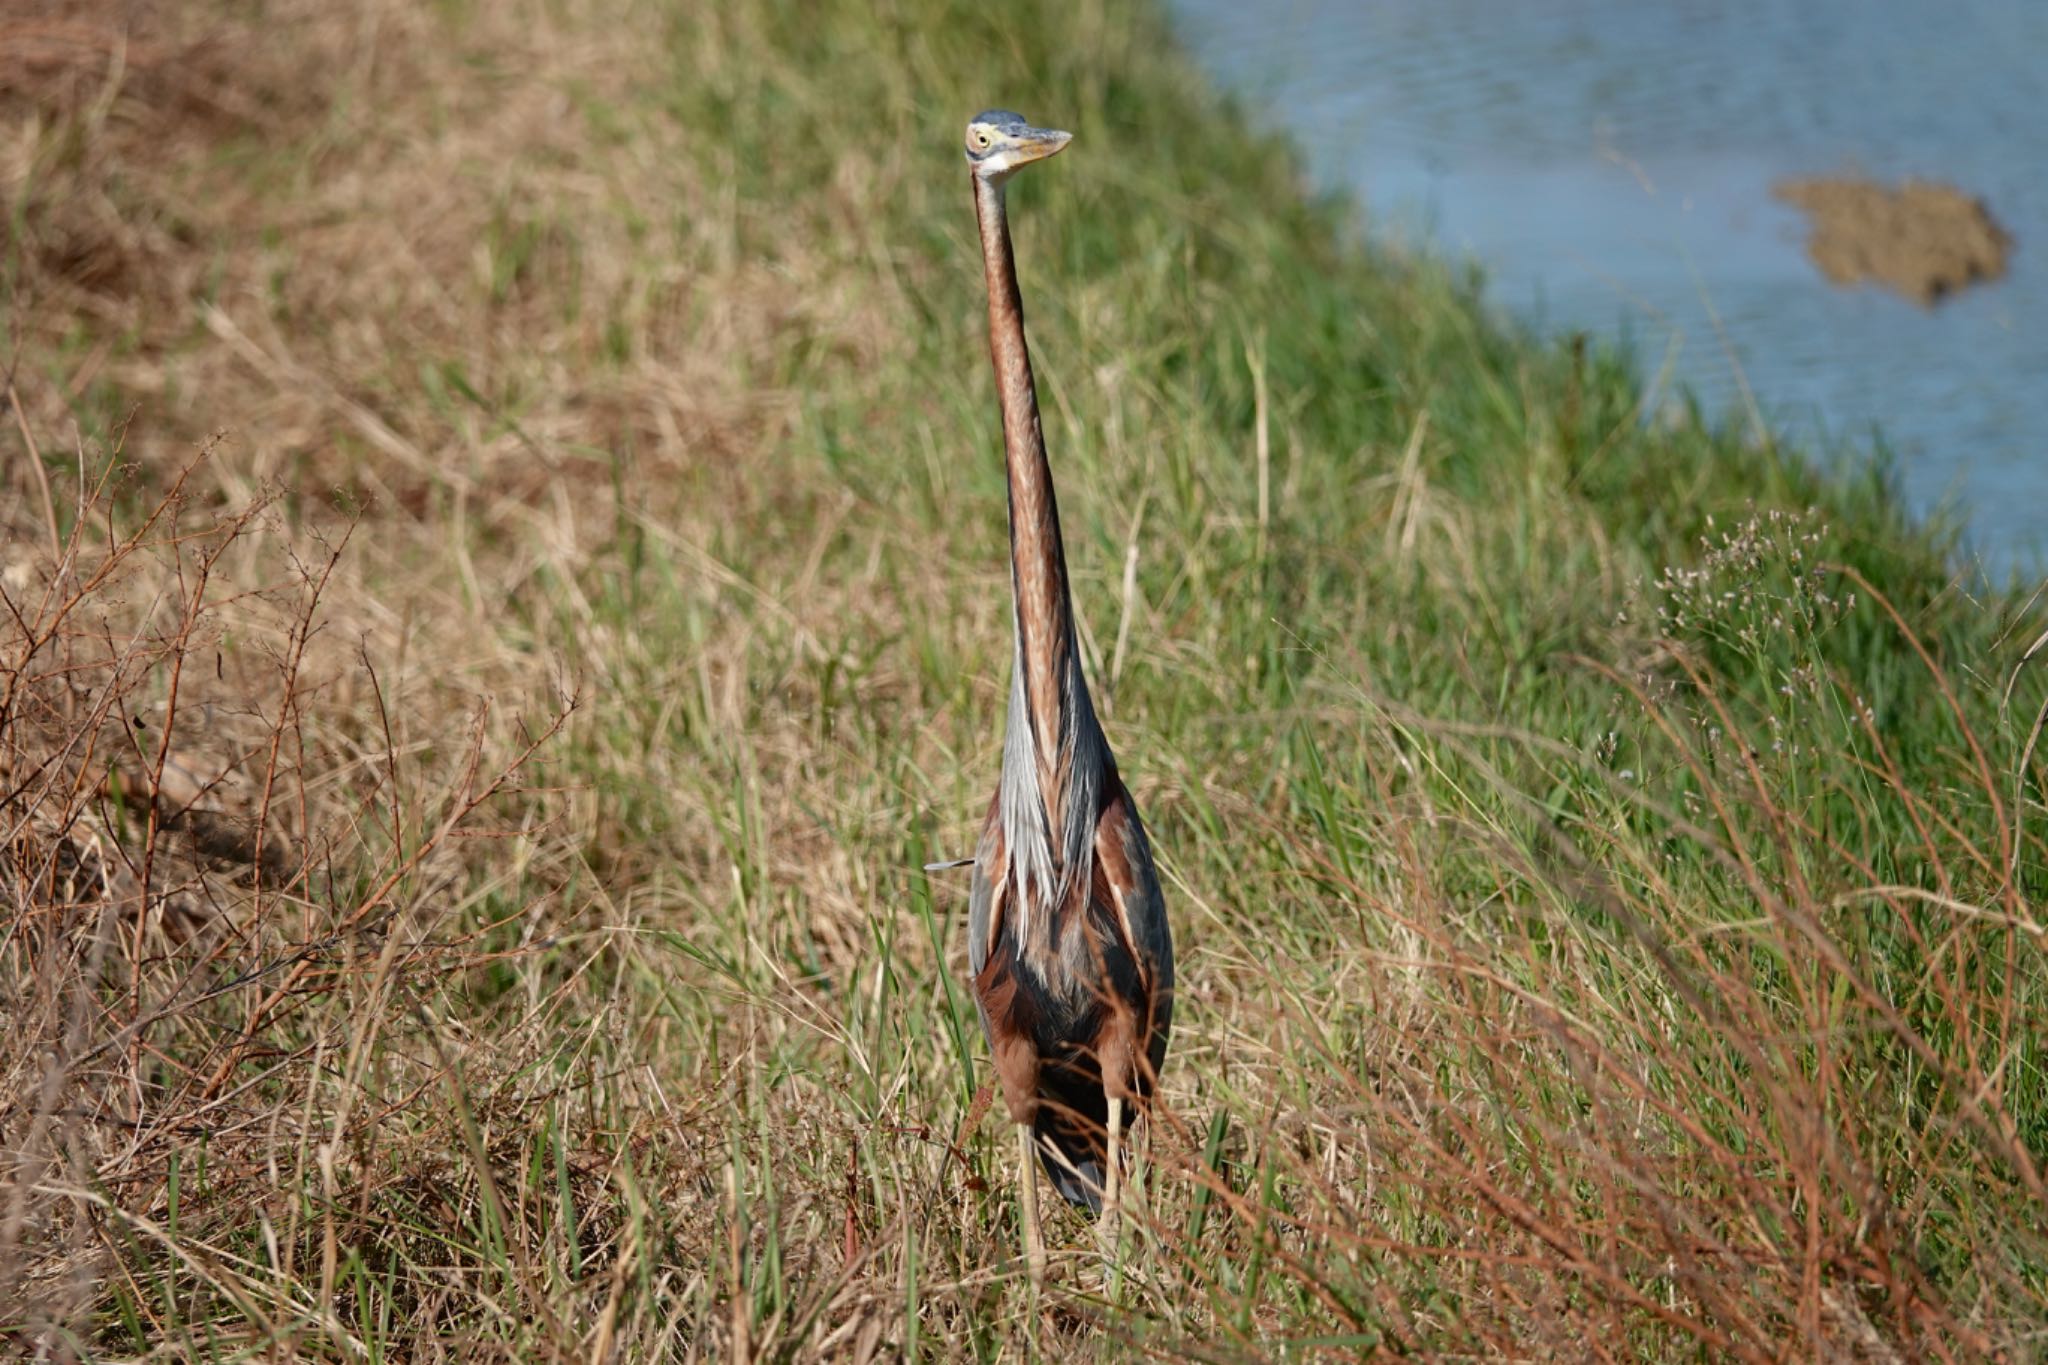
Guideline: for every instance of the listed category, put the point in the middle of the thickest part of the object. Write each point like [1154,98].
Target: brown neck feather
[1038,566]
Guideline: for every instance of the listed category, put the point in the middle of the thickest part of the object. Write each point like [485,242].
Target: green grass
[1604,872]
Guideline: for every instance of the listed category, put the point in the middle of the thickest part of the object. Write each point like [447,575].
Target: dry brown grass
[259,709]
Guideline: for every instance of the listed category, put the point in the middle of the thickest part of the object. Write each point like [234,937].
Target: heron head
[998,142]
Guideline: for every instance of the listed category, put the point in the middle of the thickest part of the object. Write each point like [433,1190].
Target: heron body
[1067,939]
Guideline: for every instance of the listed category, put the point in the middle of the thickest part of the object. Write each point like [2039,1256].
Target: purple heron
[1067,936]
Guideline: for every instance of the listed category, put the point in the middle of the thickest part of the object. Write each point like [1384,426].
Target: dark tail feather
[1073,1118]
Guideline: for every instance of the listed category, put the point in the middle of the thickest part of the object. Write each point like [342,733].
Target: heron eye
[981,139]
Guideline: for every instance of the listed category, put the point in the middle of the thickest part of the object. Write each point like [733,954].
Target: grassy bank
[521,596]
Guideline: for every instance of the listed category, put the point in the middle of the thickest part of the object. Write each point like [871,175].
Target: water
[1610,163]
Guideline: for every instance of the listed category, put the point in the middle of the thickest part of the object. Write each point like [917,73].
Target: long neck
[1038,566]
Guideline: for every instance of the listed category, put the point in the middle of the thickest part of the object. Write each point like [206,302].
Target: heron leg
[1027,1190]
[1110,1230]
[1115,1054]
[1112,1194]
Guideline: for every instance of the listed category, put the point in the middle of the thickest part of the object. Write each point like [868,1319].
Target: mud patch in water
[1925,240]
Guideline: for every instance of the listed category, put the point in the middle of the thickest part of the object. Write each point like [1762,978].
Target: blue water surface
[1610,163]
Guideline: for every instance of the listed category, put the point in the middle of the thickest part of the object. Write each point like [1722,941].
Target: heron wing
[984,899]
[1124,856]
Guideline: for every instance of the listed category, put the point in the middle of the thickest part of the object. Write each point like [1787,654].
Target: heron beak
[1036,144]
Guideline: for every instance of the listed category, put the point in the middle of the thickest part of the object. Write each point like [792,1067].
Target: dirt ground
[1924,240]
